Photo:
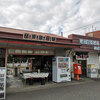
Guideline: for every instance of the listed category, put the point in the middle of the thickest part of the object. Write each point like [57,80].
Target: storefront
[35,57]
[35,51]
[26,50]
[87,54]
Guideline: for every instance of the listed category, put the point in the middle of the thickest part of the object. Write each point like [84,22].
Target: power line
[84,26]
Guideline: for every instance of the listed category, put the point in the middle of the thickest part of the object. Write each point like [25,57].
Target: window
[26,35]
[53,39]
[40,37]
[33,36]
[48,38]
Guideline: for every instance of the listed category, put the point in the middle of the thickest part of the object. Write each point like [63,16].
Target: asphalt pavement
[84,91]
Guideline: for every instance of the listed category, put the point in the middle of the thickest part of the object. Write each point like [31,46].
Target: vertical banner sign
[2,82]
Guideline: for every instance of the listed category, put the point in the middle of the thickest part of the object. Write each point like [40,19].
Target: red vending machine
[77,70]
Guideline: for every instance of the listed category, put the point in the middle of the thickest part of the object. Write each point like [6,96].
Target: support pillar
[6,57]
[77,76]
[31,64]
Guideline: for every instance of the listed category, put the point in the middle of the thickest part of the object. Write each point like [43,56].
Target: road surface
[84,91]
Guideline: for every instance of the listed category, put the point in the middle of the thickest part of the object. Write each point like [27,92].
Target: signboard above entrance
[96,48]
[31,52]
[89,42]
[38,37]
[44,52]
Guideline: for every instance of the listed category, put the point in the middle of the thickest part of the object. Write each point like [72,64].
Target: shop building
[94,34]
[88,53]
[36,48]
[39,49]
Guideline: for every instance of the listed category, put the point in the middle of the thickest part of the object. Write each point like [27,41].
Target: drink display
[63,62]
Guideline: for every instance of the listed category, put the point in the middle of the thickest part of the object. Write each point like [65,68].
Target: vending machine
[61,69]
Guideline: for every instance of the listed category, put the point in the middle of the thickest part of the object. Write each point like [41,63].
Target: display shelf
[2,92]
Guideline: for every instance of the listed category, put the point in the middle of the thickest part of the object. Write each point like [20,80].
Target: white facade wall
[93,59]
[99,61]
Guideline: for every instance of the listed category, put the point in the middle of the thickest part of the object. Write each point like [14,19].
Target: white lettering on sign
[96,48]
[43,52]
[89,42]
[38,37]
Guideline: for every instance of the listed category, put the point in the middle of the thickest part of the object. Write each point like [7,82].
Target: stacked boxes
[92,71]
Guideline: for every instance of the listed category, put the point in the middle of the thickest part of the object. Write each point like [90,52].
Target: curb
[47,86]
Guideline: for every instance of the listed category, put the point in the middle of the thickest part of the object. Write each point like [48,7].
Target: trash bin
[27,81]
[16,71]
[30,81]
[42,81]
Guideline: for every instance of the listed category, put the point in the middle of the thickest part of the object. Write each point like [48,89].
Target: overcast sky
[51,16]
